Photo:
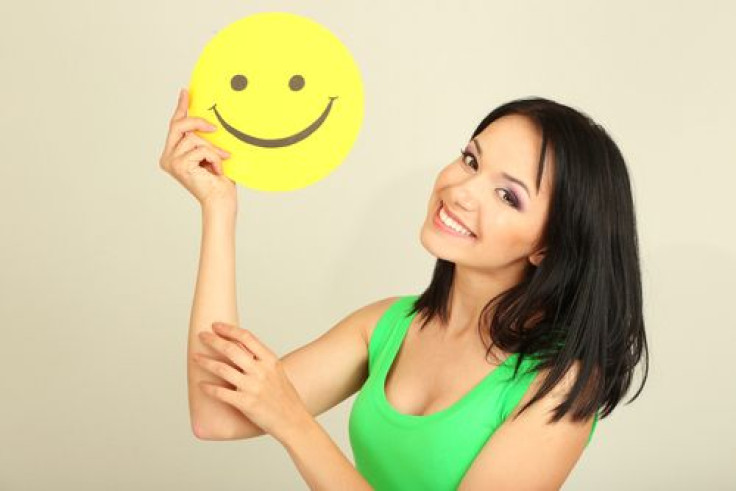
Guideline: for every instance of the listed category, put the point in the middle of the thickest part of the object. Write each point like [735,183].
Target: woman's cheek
[504,230]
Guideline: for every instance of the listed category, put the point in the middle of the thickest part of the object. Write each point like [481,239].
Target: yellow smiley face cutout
[286,97]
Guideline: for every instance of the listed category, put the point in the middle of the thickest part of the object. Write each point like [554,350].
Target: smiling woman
[534,232]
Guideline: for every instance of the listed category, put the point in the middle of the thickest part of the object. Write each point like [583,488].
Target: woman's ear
[536,258]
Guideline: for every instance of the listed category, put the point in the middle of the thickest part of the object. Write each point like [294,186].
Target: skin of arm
[266,395]
[528,453]
[320,461]
[214,300]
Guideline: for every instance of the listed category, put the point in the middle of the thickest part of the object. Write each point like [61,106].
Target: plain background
[100,247]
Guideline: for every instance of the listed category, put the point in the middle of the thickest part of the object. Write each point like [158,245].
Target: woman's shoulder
[373,312]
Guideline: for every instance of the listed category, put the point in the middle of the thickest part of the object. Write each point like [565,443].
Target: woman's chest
[430,373]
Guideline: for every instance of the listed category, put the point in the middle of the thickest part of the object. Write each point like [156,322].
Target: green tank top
[398,451]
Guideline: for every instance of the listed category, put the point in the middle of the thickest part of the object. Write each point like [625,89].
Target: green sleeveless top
[398,451]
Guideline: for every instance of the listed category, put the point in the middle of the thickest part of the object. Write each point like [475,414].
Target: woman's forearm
[320,461]
[214,300]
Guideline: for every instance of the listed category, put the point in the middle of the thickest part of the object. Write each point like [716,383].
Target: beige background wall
[99,247]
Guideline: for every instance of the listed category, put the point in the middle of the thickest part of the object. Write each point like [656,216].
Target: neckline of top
[405,323]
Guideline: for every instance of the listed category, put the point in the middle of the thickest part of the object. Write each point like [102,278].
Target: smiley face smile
[275,142]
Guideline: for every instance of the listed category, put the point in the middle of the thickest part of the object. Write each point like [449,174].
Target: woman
[534,232]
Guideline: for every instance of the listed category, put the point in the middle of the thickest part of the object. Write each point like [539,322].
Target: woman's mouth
[450,226]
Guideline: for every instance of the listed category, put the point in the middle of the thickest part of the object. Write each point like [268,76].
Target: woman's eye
[469,160]
[467,156]
[509,197]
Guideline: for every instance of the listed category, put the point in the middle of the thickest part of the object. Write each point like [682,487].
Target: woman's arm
[197,164]
[320,461]
[214,300]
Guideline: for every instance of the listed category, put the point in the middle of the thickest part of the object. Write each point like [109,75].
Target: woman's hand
[195,162]
[262,390]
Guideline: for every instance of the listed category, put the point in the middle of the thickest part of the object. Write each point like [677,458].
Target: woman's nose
[463,198]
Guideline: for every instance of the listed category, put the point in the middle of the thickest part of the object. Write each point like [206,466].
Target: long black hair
[584,300]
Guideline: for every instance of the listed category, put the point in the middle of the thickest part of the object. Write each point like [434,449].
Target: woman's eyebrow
[507,176]
[477,145]
[517,181]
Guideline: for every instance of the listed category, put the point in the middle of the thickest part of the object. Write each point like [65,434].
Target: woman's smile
[450,226]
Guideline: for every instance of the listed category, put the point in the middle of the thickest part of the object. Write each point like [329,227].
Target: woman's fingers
[187,155]
[192,160]
[180,113]
[180,124]
[245,337]
[182,104]
[180,138]
[190,141]
[189,161]
[231,351]
[189,166]
[180,128]
[222,370]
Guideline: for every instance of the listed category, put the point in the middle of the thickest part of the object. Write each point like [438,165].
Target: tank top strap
[517,386]
[387,330]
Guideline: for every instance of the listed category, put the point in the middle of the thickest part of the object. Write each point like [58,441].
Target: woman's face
[502,218]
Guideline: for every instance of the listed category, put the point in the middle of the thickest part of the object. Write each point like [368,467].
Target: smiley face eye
[296,82]
[238,82]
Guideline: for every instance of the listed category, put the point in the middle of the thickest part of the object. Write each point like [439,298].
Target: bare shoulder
[529,452]
[370,314]
[557,394]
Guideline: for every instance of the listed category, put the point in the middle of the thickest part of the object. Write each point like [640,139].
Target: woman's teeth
[445,218]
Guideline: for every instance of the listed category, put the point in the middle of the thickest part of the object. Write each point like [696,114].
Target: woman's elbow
[203,432]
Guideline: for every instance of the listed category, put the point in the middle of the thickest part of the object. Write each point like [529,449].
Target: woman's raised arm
[197,165]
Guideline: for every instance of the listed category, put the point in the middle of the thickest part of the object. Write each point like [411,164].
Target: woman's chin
[433,245]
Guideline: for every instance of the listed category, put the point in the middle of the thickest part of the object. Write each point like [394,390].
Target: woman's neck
[470,292]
